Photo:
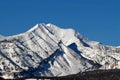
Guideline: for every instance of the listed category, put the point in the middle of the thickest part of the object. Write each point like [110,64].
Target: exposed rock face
[47,50]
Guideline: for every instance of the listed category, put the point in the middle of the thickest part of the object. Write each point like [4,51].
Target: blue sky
[97,20]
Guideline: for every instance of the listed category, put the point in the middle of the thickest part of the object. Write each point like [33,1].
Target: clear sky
[97,20]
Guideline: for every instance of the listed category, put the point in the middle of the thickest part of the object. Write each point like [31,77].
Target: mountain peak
[49,24]
[41,25]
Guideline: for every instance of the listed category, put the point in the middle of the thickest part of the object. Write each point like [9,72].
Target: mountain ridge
[47,50]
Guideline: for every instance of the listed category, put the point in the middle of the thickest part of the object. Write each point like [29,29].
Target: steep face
[47,50]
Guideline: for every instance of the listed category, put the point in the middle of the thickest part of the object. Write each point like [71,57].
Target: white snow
[48,50]
[35,27]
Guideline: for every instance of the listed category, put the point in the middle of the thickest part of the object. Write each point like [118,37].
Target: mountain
[47,50]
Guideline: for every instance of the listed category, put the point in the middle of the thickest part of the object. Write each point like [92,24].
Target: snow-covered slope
[47,50]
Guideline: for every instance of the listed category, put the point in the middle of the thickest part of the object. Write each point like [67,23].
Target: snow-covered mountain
[47,50]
